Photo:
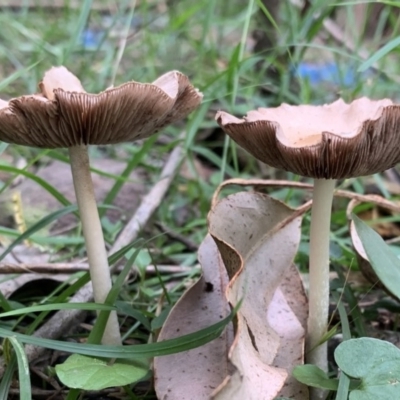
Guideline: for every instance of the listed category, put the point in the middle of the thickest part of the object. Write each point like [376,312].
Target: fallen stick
[65,268]
[151,201]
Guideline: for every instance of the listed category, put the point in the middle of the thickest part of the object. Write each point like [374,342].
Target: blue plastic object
[326,73]
[91,39]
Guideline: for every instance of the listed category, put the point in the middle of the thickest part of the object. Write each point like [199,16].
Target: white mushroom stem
[319,272]
[93,234]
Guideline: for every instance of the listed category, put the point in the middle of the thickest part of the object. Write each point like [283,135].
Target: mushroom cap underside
[352,144]
[128,112]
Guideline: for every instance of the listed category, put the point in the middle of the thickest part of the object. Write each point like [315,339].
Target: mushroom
[327,143]
[65,116]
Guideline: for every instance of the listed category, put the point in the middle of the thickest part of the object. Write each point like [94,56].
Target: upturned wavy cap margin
[333,141]
[64,115]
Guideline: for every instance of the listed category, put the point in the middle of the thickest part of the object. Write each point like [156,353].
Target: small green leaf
[313,376]
[376,363]
[383,261]
[82,372]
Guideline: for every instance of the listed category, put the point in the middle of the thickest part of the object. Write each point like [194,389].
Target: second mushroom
[63,115]
[327,143]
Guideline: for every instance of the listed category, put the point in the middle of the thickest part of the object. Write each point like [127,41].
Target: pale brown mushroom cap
[333,141]
[64,115]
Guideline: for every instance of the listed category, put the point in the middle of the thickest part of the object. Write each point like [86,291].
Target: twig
[64,321]
[46,378]
[151,201]
[45,268]
[64,268]
[371,198]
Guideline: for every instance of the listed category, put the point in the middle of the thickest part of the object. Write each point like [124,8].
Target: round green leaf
[88,373]
[376,363]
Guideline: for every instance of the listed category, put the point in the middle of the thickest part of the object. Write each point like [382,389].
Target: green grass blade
[7,378]
[271,19]
[55,193]
[214,158]
[44,240]
[113,258]
[85,278]
[129,13]
[4,304]
[166,347]
[57,155]
[32,36]
[39,225]
[23,369]
[344,380]
[194,123]
[16,75]
[382,52]
[127,309]
[351,299]
[78,29]
[390,3]
[343,387]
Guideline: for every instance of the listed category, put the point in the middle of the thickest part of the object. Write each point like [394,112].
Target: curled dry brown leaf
[194,374]
[290,301]
[257,238]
